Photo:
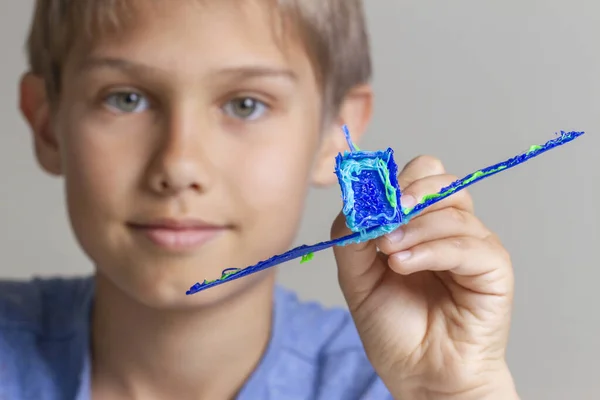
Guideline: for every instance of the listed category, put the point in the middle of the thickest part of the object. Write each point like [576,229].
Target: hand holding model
[429,287]
[432,300]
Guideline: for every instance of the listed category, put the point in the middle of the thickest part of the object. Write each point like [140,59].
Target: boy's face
[187,145]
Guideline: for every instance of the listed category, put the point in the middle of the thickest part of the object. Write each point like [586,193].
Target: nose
[181,161]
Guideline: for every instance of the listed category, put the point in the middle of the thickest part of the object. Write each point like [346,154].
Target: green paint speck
[307,258]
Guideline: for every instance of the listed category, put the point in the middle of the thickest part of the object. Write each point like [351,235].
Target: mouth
[177,235]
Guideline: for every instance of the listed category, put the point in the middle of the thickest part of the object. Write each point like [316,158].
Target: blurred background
[470,82]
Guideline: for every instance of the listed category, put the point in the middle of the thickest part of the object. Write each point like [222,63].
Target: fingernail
[407,201]
[402,256]
[395,236]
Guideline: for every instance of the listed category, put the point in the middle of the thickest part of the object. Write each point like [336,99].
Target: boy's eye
[127,102]
[246,108]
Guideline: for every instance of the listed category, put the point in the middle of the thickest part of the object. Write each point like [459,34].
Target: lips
[177,235]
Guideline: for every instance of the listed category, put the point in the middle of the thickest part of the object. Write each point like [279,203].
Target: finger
[419,168]
[354,261]
[477,264]
[432,185]
[440,224]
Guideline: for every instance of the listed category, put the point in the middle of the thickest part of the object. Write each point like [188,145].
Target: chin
[168,292]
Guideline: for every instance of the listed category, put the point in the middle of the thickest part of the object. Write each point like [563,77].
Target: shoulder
[324,341]
[44,307]
[43,324]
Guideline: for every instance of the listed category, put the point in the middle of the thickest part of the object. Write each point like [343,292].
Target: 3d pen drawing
[372,200]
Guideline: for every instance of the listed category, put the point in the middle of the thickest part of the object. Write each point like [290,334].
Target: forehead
[194,35]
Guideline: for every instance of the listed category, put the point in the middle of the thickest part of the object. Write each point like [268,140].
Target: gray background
[472,82]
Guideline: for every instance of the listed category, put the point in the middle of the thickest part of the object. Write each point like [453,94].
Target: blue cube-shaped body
[370,191]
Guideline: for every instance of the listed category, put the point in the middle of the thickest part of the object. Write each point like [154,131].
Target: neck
[139,352]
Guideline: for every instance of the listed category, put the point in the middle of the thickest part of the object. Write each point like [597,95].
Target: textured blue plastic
[369,184]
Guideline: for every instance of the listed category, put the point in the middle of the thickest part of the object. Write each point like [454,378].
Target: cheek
[99,170]
[275,176]
[274,182]
[272,190]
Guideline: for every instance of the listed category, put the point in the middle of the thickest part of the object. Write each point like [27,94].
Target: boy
[188,133]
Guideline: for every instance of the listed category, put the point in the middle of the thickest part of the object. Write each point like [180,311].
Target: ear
[355,112]
[35,108]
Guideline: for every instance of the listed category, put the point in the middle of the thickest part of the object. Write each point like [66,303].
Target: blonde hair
[332,31]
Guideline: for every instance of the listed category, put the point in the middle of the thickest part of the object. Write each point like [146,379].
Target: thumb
[359,269]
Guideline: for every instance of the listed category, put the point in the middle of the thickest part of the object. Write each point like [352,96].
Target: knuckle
[503,252]
[384,245]
[431,162]
[460,243]
[457,216]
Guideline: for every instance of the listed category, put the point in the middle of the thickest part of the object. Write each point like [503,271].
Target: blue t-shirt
[314,353]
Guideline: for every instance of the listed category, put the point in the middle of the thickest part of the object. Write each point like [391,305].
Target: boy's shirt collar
[251,387]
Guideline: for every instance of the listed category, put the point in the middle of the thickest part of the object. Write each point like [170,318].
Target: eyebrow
[237,72]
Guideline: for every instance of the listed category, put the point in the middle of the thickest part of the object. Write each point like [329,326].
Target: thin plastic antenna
[353,148]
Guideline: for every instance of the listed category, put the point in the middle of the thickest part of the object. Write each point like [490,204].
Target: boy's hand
[433,305]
